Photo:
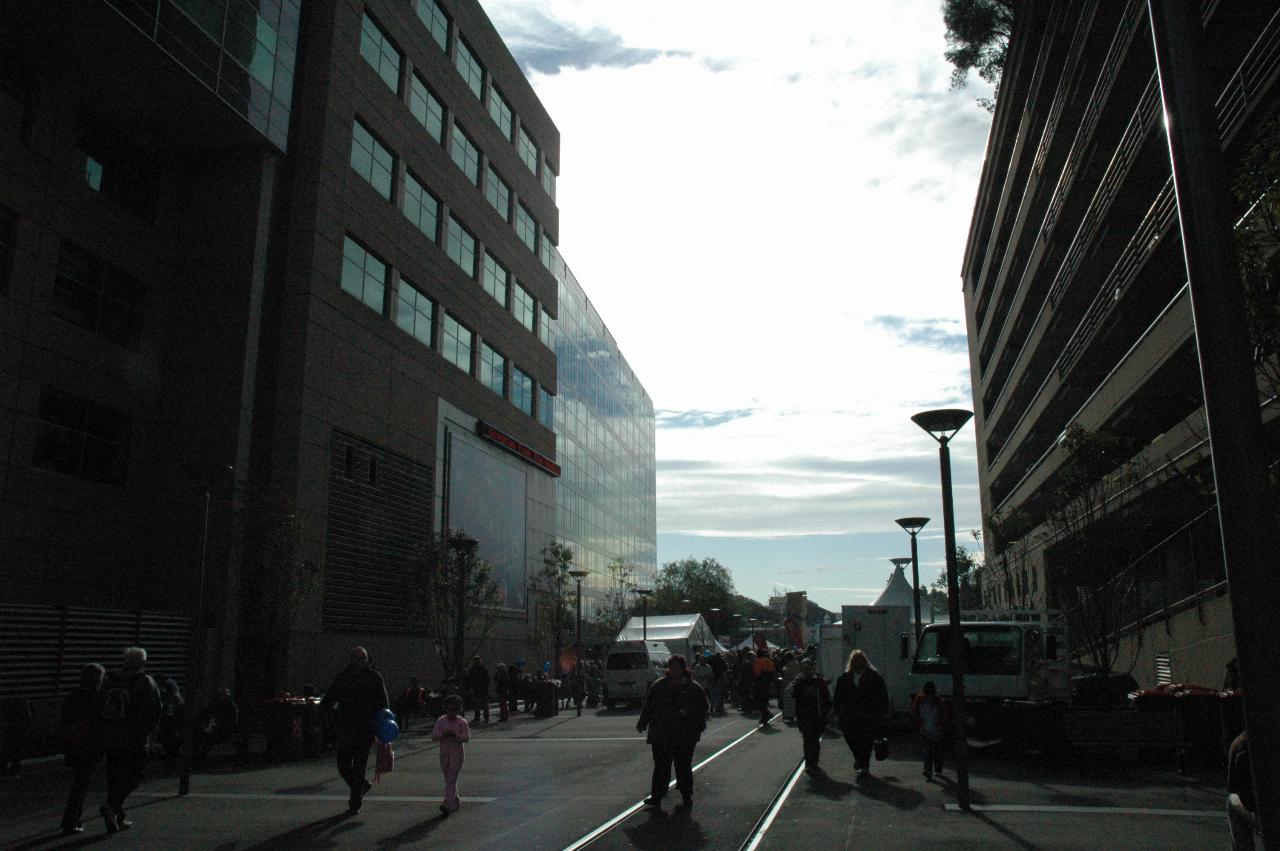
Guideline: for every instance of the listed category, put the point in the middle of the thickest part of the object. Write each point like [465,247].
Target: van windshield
[626,662]
[991,649]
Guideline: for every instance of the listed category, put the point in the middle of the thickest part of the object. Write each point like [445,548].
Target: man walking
[477,681]
[356,696]
[675,714]
[129,707]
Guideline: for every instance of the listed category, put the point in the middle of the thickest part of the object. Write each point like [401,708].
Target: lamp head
[901,561]
[943,423]
[912,525]
[578,574]
[644,592]
[463,543]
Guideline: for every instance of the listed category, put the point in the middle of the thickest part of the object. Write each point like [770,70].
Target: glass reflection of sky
[487,499]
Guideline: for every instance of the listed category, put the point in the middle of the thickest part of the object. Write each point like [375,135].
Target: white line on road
[550,739]
[766,821]
[279,796]
[1103,811]
[635,808]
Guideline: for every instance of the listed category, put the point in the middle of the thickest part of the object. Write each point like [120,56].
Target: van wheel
[611,705]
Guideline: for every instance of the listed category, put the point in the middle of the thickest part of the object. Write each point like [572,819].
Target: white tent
[684,634]
[749,643]
[897,592]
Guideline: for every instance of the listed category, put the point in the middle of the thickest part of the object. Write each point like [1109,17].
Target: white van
[630,668]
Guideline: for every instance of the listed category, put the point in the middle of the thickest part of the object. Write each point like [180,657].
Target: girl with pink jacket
[452,732]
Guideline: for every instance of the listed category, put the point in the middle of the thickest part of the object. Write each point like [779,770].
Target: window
[421,207]
[522,390]
[493,369]
[544,250]
[494,279]
[498,192]
[546,408]
[546,329]
[548,179]
[427,108]
[435,20]
[415,312]
[461,247]
[470,68]
[995,650]
[371,160]
[523,306]
[455,343]
[466,155]
[79,438]
[378,51]
[91,170]
[97,296]
[528,150]
[500,112]
[526,228]
[363,275]
[127,177]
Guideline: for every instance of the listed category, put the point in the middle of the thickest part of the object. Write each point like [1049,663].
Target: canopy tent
[749,643]
[681,633]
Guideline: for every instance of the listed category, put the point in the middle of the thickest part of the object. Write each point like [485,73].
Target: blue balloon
[385,714]
[387,730]
[546,666]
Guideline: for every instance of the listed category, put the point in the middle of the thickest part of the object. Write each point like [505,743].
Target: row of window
[80,438]
[377,165]
[368,278]
[386,59]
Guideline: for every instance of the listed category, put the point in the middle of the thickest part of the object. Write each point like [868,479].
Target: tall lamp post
[942,426]
[912,526]
[578,575]
[644,611]
[464,547]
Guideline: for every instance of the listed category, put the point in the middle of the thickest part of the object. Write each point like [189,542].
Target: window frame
[414,305]
[420,91]
[357,124]
[487,365]
[505,283]
[461,144]
[450,343]
[349,240]
[451,240]
[474,74]
[384,45]
[411,180]
[494,185]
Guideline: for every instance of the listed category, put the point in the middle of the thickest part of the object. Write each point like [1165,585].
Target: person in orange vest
[764,673]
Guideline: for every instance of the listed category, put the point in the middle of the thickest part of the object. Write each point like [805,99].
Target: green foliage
[967,580]
[1007,565]
[612,614]
[1258,248]
[553,589]
[705,583]
[978,40]
[445,588]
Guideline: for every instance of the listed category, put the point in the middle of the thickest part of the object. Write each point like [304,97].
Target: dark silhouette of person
[81,742]
[674,714]
[129,708]
[813,703]
[862,705]
[356,696]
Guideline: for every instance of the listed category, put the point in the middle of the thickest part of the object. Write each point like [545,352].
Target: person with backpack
[129,710]
[356,696]
[81,742]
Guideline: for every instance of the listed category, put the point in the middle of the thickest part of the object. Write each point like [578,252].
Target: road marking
[635,808]
[1104,811]
[762,826]
[550,739]
[277,796]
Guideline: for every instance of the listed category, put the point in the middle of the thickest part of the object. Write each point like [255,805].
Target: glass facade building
[606,496]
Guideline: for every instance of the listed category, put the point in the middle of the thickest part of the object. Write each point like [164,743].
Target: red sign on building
[517,448]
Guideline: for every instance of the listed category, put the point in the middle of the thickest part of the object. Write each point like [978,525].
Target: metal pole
[460,628]
[189,719]
[577,632]
[1246,511]
[915,581]
[957,634]
[644,617]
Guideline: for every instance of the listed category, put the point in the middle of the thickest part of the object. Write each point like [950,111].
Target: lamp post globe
[912,526]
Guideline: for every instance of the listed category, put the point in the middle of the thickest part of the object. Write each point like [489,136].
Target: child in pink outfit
[451,731]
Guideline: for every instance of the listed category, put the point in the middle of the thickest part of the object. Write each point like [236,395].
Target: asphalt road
[570,782]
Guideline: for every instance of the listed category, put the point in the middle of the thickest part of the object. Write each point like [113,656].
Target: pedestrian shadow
[664,831]
[413,835]
[767,729]
[1003,831]
[311,835]
[951,789]
[49,837]
[826,786]
[310,789]
[890,791]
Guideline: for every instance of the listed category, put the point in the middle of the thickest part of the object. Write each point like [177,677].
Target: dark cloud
[939,334]
[699,419]
[548,45]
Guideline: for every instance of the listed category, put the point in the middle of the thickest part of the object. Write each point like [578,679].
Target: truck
[630,668]
[884,633]
[1016,663]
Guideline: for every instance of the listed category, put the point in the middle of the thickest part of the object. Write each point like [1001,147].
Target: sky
[768,206]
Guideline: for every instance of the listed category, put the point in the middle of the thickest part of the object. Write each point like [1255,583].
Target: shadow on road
[890,791]
[662,831]
[1003,831]
[826,786]
[414,835]
[317,834]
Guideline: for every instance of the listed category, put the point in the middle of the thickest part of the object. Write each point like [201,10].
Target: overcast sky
[768,206]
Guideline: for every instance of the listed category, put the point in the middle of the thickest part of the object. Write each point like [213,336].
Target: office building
[1079,315]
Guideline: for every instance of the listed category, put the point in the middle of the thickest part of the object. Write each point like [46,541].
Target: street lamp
[714,611]
[464,547]
[912,526]
[578,575]
[644,611]
[942,425]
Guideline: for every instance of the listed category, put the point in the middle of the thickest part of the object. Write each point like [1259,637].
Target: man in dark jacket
[477,680]
[81,741]
[129,710]
[356,696]
[675,714]
[862,704]
[813,703]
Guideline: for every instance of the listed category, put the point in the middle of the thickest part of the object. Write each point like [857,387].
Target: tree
[705,583]
[447,588]
[978,40]
[553,609]
[274,582]
[1006,569]
[1097,535]
[1258,249]
[613,612]
[967,578]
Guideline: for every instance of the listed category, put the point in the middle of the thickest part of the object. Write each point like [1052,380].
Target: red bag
[386,761]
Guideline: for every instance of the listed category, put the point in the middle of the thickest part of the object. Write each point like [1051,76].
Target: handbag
[882,749]
[385,762]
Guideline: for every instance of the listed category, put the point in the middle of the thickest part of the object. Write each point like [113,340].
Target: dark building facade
[1079,315]
[277,288]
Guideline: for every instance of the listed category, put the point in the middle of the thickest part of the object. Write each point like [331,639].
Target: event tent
[686,634]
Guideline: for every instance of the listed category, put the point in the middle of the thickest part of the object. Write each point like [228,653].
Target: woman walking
[862,704]
[812,700]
